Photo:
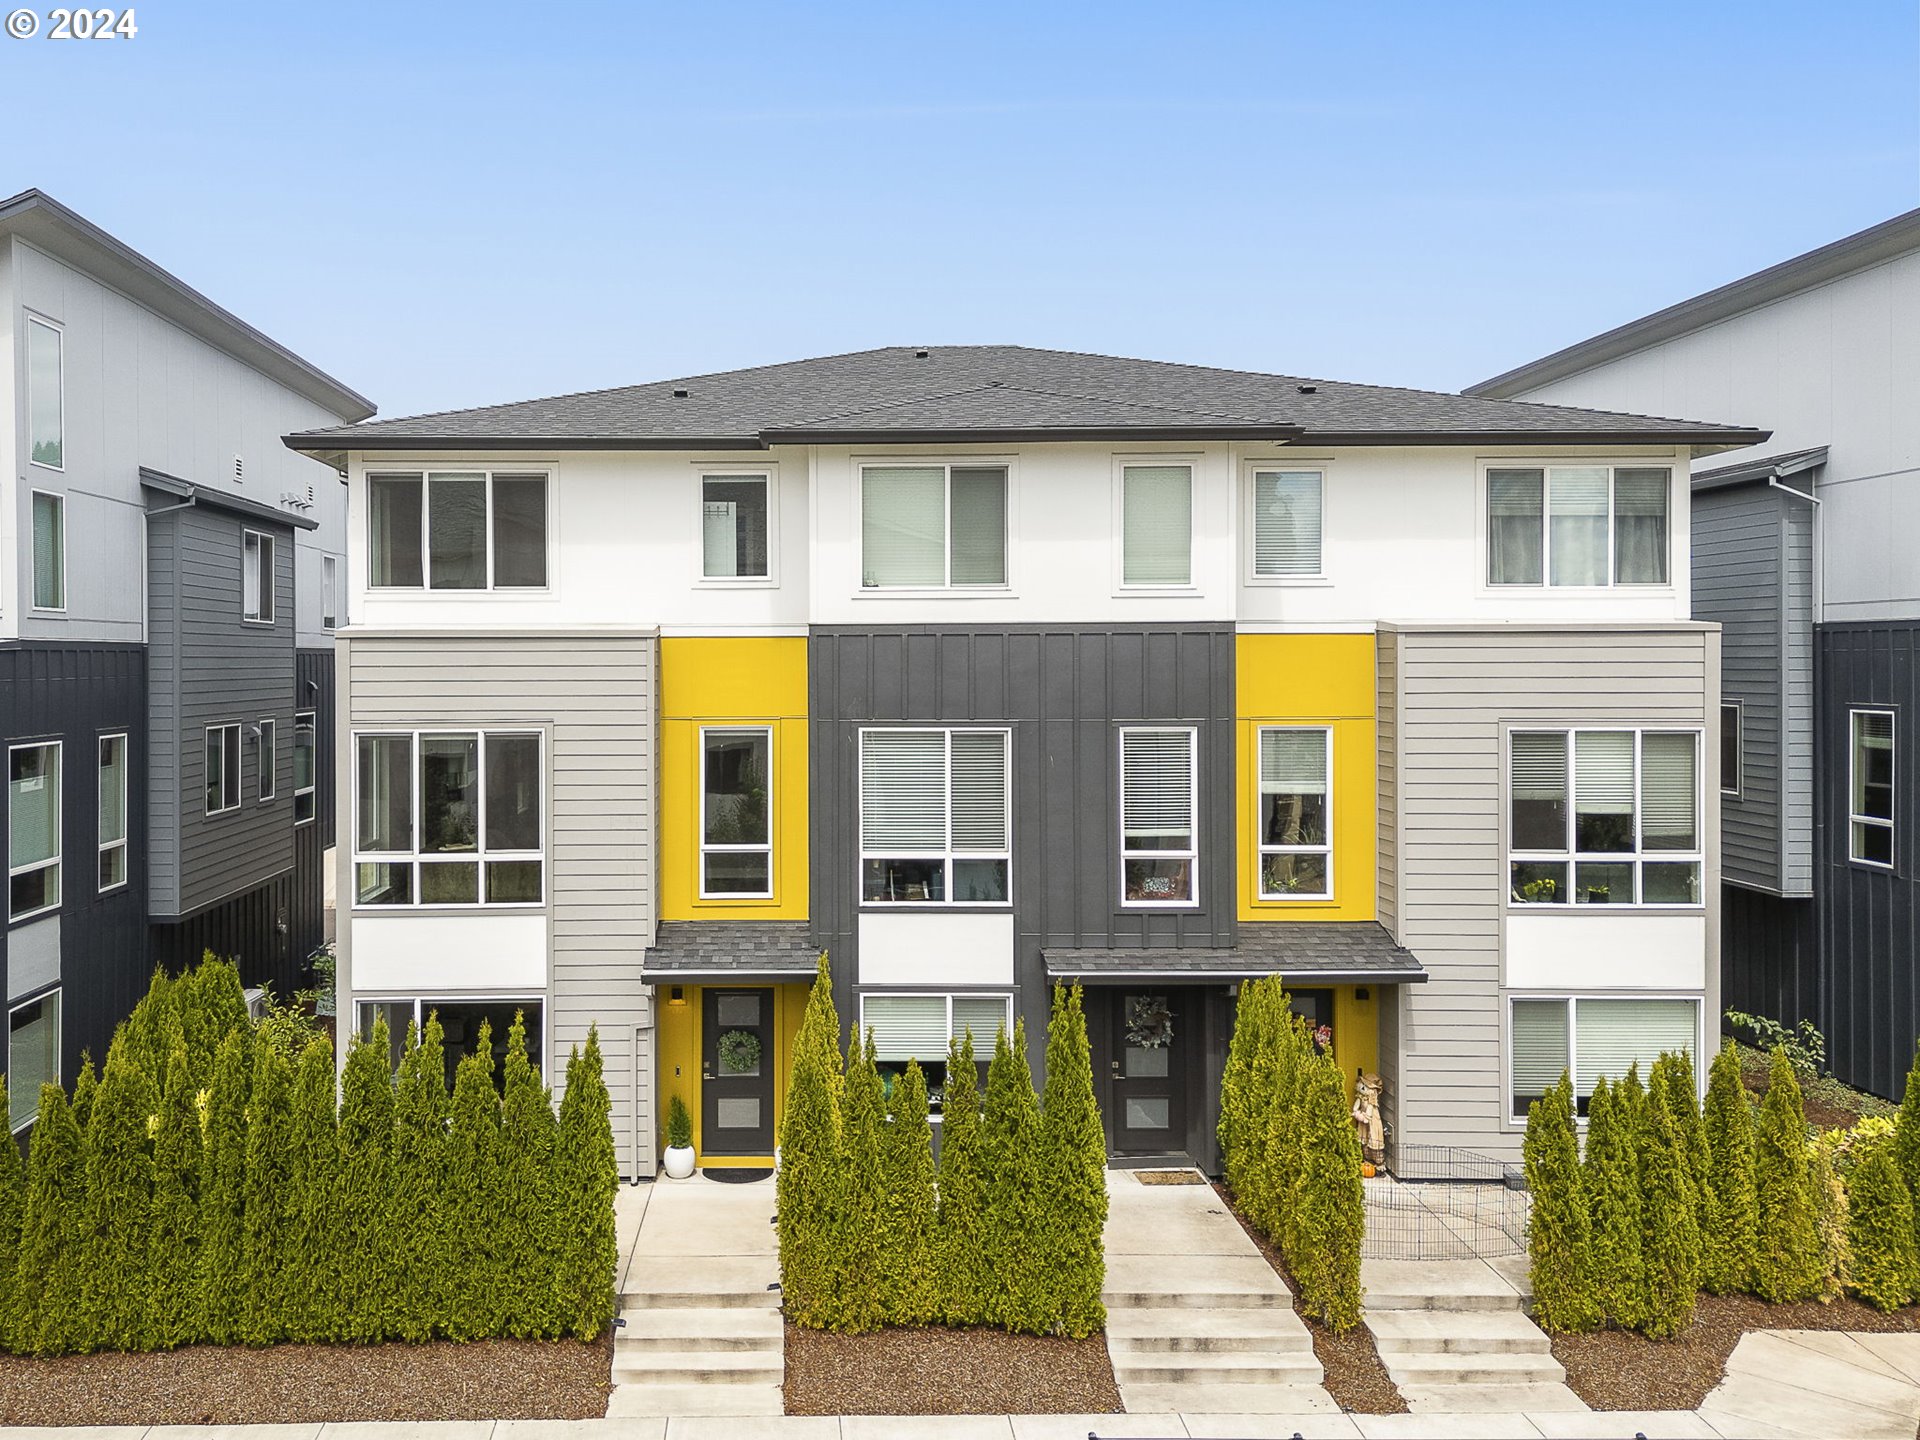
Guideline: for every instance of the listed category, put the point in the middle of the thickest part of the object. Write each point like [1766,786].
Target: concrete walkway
[1819,1382]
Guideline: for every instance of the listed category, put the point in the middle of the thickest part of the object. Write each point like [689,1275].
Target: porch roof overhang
[1311,952]
[735,952]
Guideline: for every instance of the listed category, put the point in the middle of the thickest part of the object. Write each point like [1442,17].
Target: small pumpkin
[1367,1171]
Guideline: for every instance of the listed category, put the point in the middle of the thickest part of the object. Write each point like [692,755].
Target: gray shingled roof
[692,949]
[949,394]
[1329,952]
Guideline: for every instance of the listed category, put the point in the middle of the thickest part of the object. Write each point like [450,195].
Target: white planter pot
[678,1161]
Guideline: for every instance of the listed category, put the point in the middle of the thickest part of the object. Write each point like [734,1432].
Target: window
[1156,525]
[33,1056]
[1577,525]
[458,530]
[1592,1038]
[113,812]
[1731,726]
[1296,820]
[223,768]
[733,527]
[460,1020]
[736,813]
[269,758]
[329,593]
[256,577]
[920,1027]
[933,526]
[1620,807]
[33,829]
[49,551]
[1159,780]
[46,419]
[448,818]
[1287,522]
[935,813]
[304,752]
[1870,787]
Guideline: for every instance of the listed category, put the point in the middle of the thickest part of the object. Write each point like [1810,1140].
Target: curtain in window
[980,793]
[907,1027]
[457,532]
[1286,523]
[1539,794]
[49,552]
[903,785]
[1640,527]
[984,1015]
[903,526]
[1577,510]
[1157,517]
[1669,782]
[1514,510]
[979,526]
[1156,789]
[1539,1049]
[1610,1036]
[519,532]
[393,521]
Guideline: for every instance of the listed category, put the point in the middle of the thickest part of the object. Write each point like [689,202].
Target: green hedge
[205,1188]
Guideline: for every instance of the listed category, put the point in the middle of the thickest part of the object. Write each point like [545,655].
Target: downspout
[1774,483]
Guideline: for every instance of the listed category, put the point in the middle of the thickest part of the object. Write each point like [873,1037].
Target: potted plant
[679,1157]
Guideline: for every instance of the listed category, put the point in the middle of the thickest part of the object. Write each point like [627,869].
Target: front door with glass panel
[736,1072]
[1149,1110]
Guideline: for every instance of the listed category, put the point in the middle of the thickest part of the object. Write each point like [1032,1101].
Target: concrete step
[1167,1330]
[1230,1369]
[1460,1332]
[1489,1399]
[741,1400]
[1459,1302]
[708,1280]
[690,1295]
[699,1329]
[1232,1282]
[1451,1369]
[698,1367]
[1226,1399]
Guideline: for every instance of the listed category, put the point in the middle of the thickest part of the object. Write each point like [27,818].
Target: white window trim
[269,568]
[1249,501]
[59,1035]
[230,782]
[1892,827]
[59,860]
[313,719]
[1572,1000]
[425,475]
[1123,463]
[412,855]
[1572,858]
[772,816]
[949,855]
[27,389]
[329,592]
[1544,587]
[947,590]
[267,761]
[124,843]
[1739,708]
[768,475]
[423,1003]
[1261,850]
[1192,853]
[33,586]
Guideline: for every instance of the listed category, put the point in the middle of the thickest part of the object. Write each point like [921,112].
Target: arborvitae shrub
[315,1246]
[908,1225]
[48,1318]
[1559,1229]
[1830,1219]
[365,1205]
[1329,1216]
[1018,1233]
[1727,1237]
[1675,1091]
[85,1084]
[859,1300]
[1612,1176]
[1906,1129]
[1788,1263]
[588,1176]
[1242,1108]
[120,1194]
[531,1223]
[416,1214]
[961,1242]
[13,1200]
[269,1265]
[472,1193]
[1670,1245]
[1282,1156]
[1884,1266]
[211,1004]
[147,1035]
[811,1178]
[1075,1184]
[223,1268]
[172,1292]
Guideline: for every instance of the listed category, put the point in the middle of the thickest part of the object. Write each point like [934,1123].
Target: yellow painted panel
[733,675]
[1356,1030]
[1320,675]
[678,1041]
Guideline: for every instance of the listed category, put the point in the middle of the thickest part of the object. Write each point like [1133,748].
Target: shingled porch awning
[730,952]
[1310,953]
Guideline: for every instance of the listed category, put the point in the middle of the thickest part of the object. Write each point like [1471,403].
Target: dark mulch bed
[491,1379]
[1830,1104]
[1356,1378]
[939,1371]
[1617,1370]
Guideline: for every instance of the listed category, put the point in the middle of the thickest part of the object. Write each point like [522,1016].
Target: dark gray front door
[1149,1074]
[736,1072]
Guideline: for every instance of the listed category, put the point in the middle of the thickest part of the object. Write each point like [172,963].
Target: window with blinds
[1296,813]
[1156,525]
[1578,525]
[935,817]
[1870,787]
[1159,784]
[1604,817]
[919,1027]
[1287,522]
[1537,1053]
[933,527]
[1590,1038]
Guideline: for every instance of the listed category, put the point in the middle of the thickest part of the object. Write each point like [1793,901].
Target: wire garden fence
[1443,1203]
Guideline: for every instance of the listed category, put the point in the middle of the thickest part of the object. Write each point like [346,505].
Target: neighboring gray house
[1804,551]
[170,580]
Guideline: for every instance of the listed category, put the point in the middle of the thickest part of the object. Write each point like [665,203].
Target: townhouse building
[1802,554]
[981,668]
[170,579]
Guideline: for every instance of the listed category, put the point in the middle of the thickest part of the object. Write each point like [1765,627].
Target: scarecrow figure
[1366,1118]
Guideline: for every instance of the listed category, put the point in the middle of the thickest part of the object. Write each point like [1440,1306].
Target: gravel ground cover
[940,1371]
[204,1384]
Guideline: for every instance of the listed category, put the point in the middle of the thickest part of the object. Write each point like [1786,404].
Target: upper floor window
[1287,507]
[33,829]
[1156,525]
[736,813]
[1732,723]
[46,404]
[49,551]
[935,817]
[32,1056]
[1577,525]
[256,577]
[329,593]
[1296,813]
[112,873]
[933,526]
[305,747]
[269,743]
[457,530]
[448,818]
[223,768]
[1870,772]
[733,527]
[1159,799]
[1620,807]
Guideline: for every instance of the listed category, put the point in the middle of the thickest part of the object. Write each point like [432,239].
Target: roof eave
[1718,439]
[322,443]
[1279,434]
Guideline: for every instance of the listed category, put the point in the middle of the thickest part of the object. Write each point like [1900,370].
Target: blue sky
[451,205]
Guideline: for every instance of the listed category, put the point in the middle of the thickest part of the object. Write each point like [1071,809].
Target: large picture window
[112,873]
[1156,525]
[933,526]
[1296,813]
[1287,509]
[457,530]
[1159,788]
[935,817]
[1604,817]
[33,1056]
[1870,779]
[736,813]
[33,829]
[733,527]
[920,1027]
[1590,1038]
[448,818]
[1577,525]
[46,399]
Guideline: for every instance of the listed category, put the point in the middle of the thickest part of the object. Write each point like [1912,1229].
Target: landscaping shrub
[268,1264]
[529,1214]
[961,1242]
[120,1199]
[679,1125]
[1075,1149]
[415,1213]
[1789,1263]
[314,1297]
[1018,1247]
[1906,1133]
[1804,1046]
[474,1197]
[1676,1091]
[365,1204]
[223,1287]
[172,1299]
[909,1284]
[1329,1204]
[13,1199]
[1670,1246]
[1885,1267]
[85,1084]
[587,1177]
[1559,1228]
[1830,1217]
[1242,1104]
[859,1300]
[811,1174]
[1727,1237]
[1611,1173]
[48,1318]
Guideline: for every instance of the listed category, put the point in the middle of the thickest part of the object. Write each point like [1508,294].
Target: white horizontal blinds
[984,1015]
[906,1027]
[903,525]
[1610,1036]
[903,791]
[979,503]
[1603,772]
[1286,522]
[979,793]
[1539,1047]
[1293,762]
[1157,520]
[1539,790]
[1640,526]
[1515,507]
[1156,794]
[1577,524]
[1669,785]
